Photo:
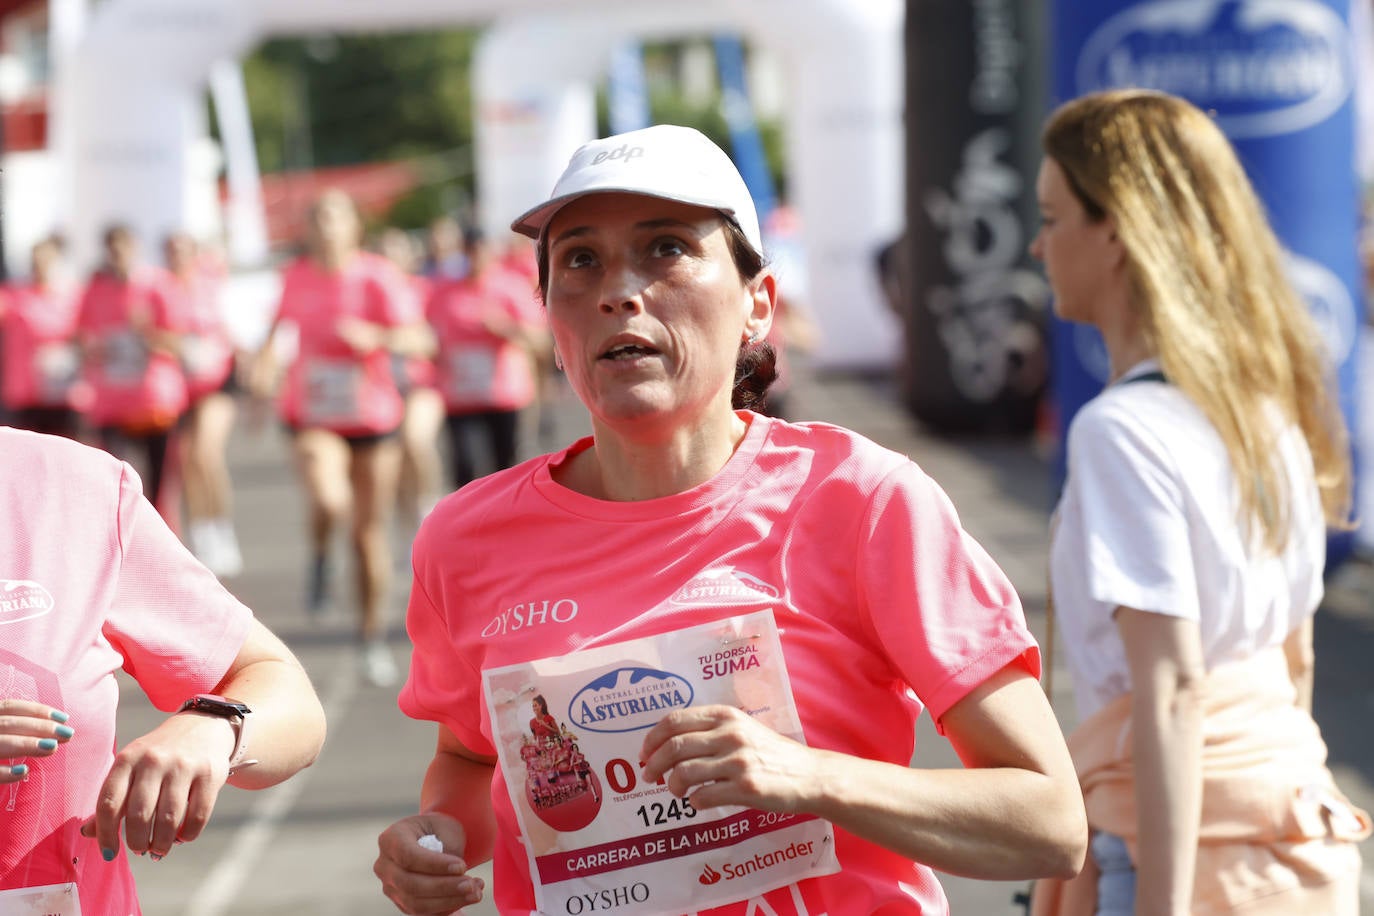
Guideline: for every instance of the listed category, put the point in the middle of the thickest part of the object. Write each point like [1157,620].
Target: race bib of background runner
[471,372]
[58,365]
[202,356]
[126,357]
[333,393]
[49,900]
[568,733]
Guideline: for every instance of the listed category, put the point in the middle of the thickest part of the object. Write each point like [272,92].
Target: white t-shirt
[1148,520]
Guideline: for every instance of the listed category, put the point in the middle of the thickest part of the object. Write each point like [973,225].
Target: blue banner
[627,90]
[746,144]
[1280,79]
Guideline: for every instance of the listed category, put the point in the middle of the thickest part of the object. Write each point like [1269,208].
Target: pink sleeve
[943,610]
[177,627]
[165,313]
[85,311]
[390,301]
[285,312]
[443,685]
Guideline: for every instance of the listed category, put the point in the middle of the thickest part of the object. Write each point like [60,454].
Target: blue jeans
[1116,884]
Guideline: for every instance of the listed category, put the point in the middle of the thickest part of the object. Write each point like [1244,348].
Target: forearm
[1297,649]
[286,727]
[161,340]
[987,823]
[415,340]
[461,788]
[1167,746]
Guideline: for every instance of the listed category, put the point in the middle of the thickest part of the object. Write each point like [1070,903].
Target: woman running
[339,401]
[191,292]
[131,348]
[43,389]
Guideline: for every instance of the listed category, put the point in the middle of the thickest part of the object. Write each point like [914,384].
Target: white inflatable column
[845,149]
[533,109]
[133,90]
[245,219]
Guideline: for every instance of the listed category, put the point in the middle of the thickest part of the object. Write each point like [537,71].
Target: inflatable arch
[128,116]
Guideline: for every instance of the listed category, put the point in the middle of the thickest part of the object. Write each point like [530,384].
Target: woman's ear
[761,301]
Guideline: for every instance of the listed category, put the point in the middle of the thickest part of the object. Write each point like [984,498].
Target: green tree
[341,100]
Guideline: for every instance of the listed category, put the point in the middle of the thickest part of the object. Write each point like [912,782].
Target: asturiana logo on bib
[629,699]
[1266,67]
[724,586]
[21,599]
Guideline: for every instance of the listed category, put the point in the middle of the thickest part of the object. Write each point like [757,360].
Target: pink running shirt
[885,606]
[207,355]
[329,386]
[415,371]
[90,582]
[477,369]
[41,362]
[134,385]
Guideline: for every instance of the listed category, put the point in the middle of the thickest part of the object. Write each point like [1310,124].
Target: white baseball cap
[667,161]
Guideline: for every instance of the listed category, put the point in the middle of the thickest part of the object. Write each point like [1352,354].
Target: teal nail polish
[108,854]
[47,744]
[64,731]
[20,769]
[59,716]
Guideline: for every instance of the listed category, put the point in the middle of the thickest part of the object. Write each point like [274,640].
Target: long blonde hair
[1205,274]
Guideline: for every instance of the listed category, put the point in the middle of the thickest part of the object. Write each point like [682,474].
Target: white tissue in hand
[431,842]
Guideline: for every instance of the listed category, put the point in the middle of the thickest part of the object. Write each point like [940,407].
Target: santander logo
[708,875]
[726,585]
[21,599]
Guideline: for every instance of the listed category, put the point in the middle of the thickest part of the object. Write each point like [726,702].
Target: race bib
[202,356]
[568,733]
[57,365]
[333,393]
[49,900]
[471,372]
[126,357]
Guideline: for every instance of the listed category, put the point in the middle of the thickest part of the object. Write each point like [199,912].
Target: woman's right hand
[419,880]
[29,729]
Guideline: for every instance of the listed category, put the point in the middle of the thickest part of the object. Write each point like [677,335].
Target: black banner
[974,304]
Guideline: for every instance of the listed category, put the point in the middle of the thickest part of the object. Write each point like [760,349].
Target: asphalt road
[307,847]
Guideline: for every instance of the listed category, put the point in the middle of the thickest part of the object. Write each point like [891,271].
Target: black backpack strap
[1152,376]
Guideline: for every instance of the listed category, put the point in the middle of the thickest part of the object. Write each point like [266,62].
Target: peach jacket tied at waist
[1276,835]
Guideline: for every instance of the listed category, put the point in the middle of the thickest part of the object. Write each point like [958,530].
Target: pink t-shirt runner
[330,386]
[477,369]
[133,384]
[41,362]
[885,607]
[192,304]
[91,582]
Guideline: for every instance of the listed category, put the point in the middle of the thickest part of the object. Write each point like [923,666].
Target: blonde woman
[1189,542]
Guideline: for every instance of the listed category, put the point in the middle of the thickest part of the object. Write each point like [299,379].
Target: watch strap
[236,714]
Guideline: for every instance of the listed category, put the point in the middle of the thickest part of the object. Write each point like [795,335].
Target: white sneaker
[379,668]
[200,537]
[230,560]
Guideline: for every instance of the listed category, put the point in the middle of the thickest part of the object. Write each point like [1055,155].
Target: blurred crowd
[137,358]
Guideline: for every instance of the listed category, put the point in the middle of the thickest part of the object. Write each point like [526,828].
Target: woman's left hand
[362,337]
[719,755]
[163,786]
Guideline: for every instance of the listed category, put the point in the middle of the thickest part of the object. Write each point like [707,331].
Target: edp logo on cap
[1266,67]
[624,151]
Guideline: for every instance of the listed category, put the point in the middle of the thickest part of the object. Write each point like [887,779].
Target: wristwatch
[237,713]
